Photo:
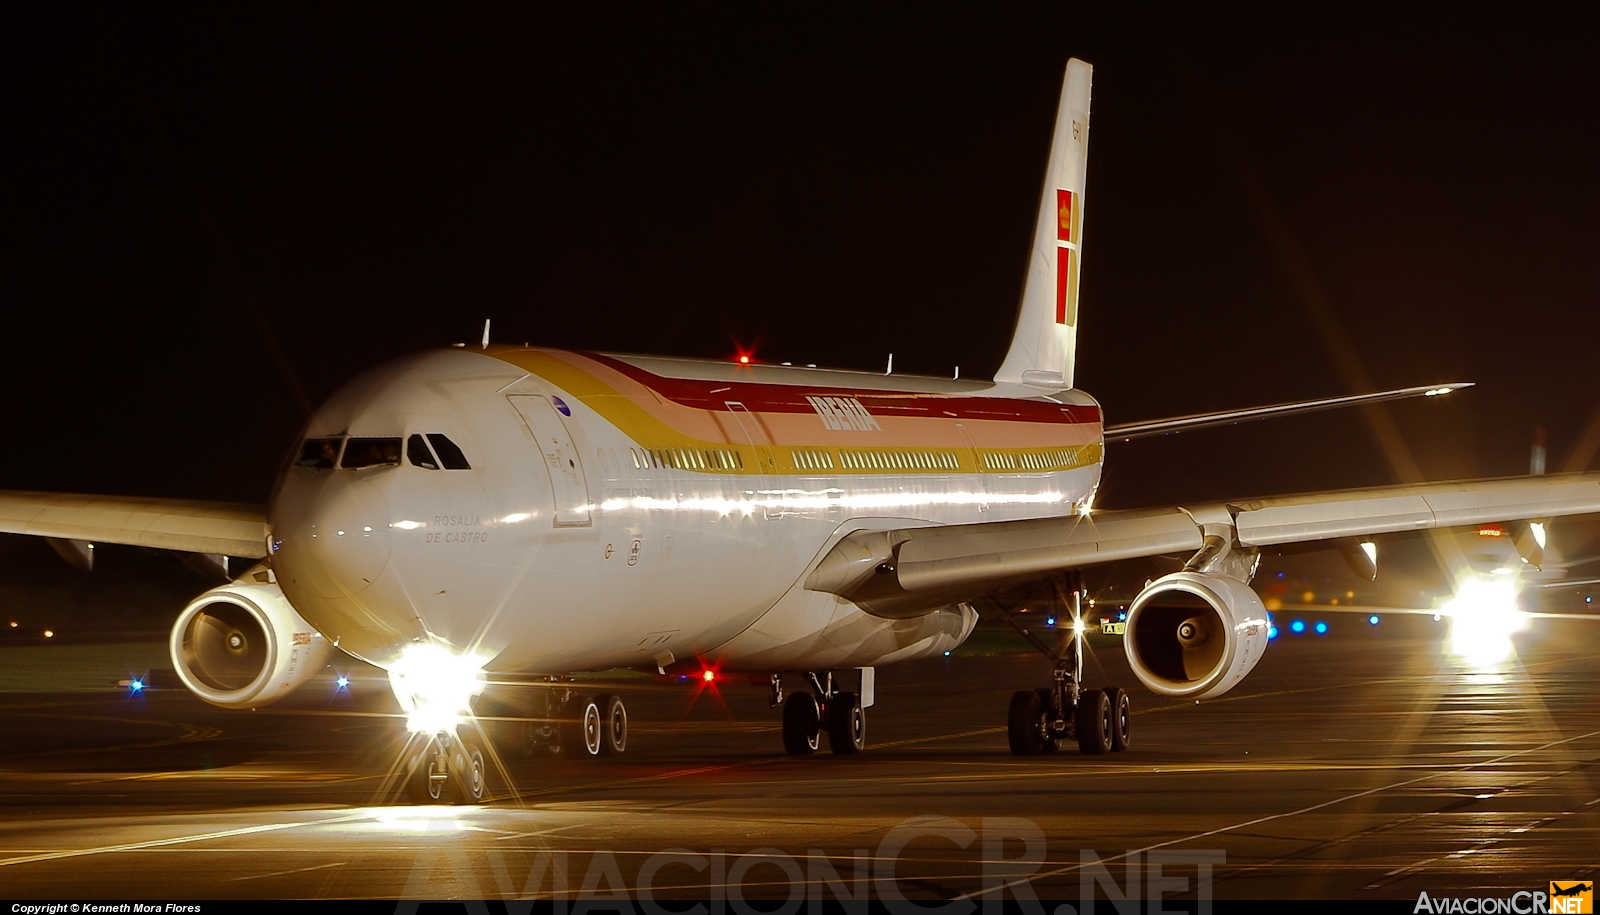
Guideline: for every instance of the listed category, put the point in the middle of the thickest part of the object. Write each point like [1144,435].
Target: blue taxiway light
[1322,628]
[1297,626]
[1050,621]
[1122,616]
[136,685]
[1272,632]
[947,654]
[1372,620]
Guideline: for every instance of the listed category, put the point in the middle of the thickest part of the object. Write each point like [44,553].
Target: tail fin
[1043,346]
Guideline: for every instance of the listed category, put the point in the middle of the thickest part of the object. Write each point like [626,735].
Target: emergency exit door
[560,458]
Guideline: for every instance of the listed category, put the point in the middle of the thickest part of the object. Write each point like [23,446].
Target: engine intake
[243,645]
[1195,635]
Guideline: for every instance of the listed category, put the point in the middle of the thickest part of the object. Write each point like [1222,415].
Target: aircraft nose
[343,540]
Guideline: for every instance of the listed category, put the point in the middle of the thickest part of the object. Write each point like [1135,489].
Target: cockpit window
[320,453]
[370,452]
[449,453]
[417,451]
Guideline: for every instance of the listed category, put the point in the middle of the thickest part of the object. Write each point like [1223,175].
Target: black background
[211,206]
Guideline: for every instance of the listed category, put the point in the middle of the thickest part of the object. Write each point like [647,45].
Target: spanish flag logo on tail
[1069,219]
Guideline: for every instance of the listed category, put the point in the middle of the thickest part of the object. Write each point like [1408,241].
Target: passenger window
[449,454]
[417,451]
[370,452]
[320,453]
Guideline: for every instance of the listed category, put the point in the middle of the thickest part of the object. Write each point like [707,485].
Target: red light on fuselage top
[708,675]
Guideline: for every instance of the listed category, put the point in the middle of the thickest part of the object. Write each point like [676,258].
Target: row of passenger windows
[807,459]
[899,460]
[1058,459]
[687,458]
[358,451]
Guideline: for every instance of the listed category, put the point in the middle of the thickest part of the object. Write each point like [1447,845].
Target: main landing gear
[806,715]
[1040,720]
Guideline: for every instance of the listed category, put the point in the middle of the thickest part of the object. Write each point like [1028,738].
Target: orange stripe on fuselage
[660,412]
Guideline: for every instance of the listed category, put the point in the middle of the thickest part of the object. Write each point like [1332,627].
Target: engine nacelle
[1194,635]
[242,645]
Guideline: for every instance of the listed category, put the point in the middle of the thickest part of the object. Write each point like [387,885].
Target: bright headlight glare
[435,686]
[1483,617]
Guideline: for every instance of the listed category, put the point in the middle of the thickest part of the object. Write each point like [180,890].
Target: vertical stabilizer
[1047,328]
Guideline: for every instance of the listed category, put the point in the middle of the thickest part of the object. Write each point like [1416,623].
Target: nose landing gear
[448,770]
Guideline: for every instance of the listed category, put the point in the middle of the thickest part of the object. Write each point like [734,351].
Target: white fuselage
[623,511]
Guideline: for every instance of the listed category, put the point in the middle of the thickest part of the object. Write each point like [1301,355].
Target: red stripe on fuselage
[785,398]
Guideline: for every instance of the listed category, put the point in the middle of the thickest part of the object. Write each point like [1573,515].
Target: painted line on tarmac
[180,840]
[1439,771]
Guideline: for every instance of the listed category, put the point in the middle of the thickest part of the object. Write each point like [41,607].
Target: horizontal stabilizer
[1153,427]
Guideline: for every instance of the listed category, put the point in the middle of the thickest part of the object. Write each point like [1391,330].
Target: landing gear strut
[448,770]
[806,715]
[1040,720]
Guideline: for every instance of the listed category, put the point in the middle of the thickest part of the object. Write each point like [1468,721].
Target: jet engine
[1194,635]
[242,646]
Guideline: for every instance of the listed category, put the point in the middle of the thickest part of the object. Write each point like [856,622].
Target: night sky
[214,215]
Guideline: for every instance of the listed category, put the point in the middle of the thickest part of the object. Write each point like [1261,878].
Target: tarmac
[1365,764]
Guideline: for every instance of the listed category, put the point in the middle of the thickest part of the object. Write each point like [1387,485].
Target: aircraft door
[559,457]
[757,437]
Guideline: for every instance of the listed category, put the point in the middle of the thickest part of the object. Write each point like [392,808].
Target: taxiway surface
[1367,764]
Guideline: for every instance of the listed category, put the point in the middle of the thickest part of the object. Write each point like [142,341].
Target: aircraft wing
[189,526]
[1127,431]
[904,573]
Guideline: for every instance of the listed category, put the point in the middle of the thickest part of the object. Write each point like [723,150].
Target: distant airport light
[343,682]
[708,675]
[1297,626]
[49,633]
[14,624]
[744,360]
[435,686]
[1372,620]
[1322,628]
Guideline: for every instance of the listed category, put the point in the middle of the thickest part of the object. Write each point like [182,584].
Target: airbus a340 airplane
[513,512]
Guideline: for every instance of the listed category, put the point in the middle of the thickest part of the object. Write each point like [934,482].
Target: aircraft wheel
[585,734]
[1023,720]
[847,724]
[800,724]
[613,725]
[429,781]
[471,776]
[1121,713]
[1093,723]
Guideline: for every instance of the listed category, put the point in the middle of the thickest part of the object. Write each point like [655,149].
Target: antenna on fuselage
[890,369]
[958,373]
[485,333]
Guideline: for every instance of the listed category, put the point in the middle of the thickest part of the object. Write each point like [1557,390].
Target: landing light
[435,686]
[1483,616]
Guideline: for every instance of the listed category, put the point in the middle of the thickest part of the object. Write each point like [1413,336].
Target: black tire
[1093,723]
[422,787]
[1121,716]
[471,781]
[581,738]
[1022,723]
[847,724]
[613,725]
[800,724]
